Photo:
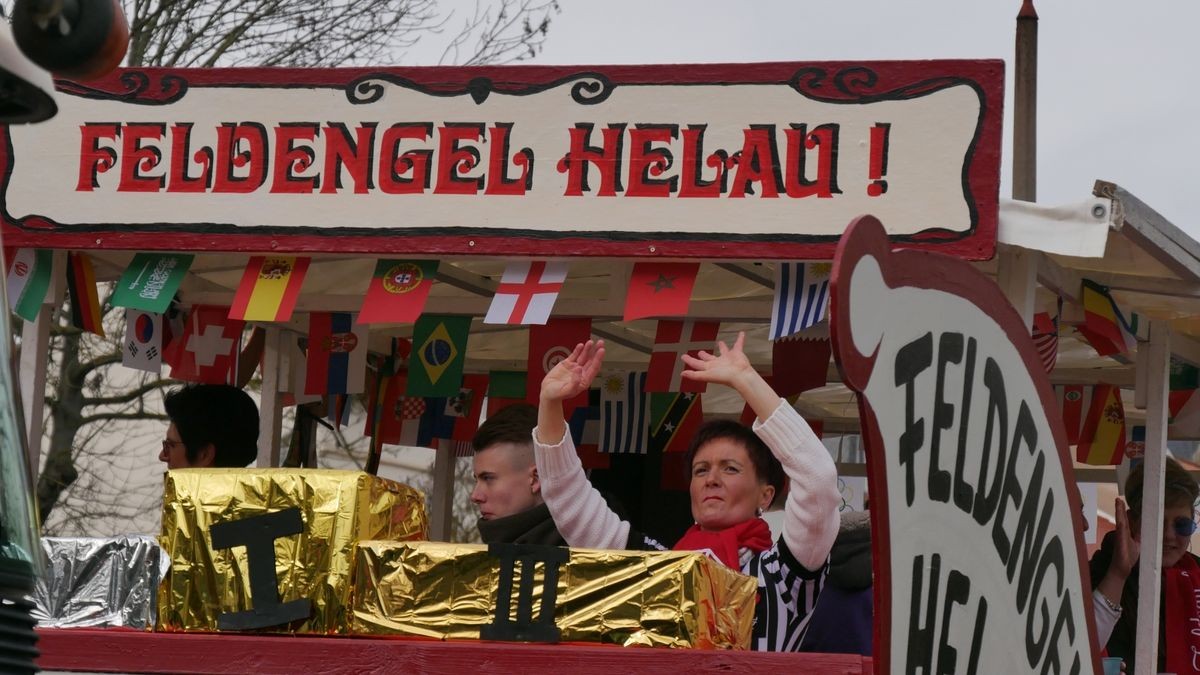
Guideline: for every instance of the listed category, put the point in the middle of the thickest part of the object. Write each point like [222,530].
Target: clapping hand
[574,374]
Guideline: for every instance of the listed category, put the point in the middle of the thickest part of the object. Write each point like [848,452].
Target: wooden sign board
[977,530]
[765,160]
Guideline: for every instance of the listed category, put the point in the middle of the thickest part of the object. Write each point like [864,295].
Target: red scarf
[1181,588]
[753,534]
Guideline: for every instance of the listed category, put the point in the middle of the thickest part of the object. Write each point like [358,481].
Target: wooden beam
[749,271]
[442,500]
[270,410]
[1157,365]
[1155,234]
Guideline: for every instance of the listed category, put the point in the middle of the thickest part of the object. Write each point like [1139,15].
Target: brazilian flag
[439,350]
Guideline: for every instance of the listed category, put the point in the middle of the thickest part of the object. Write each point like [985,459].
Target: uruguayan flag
[623,413]
[801,297]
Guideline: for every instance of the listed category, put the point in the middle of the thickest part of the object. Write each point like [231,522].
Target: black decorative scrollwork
[857,84]
[588,88]
[138,88]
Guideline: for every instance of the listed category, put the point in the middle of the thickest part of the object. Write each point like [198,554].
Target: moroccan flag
[801,297]
[1074,400]
[798,365]
[660,289]
[673,339]
[398,291]
[28,280]
[207,351]
[1102,439]
[269,288]
[85,301]
[1105,328]
[439,352]
[674,419]
[548,345]
[505,387]
[527,292]
[623,418]
[142,348]
[337,354]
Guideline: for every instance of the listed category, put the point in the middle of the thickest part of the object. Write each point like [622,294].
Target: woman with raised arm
[735,474]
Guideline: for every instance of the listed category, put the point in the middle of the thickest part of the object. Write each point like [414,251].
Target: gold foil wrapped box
[451,591]
[324,513]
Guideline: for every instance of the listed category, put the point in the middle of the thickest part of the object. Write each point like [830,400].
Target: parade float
[444,228]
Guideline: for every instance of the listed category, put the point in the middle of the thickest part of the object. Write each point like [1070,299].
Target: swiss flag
[672,340]
[207,350]
[550,344]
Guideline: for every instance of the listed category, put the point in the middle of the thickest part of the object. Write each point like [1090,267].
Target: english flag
[527,292]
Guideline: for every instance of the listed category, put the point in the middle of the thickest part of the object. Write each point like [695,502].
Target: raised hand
[574,374]
[728,367]
[1127,550]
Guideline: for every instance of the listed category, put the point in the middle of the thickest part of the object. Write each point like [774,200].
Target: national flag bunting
[1136,447]
[527,292]
[550,344]
[505,387]
[801,297]
[799,364]
[1074,401]
[673,339]
[85,300]
[151,280]
[207,351]
[660,289]
[674,419]
[1045,339]
[584,425]
[336,362]
[1105,328]
[269,288]
[1183,406]
[623,413]
[28,280]
[398,291]
[439,351]
[466,407]
[142,348]
[1102,439]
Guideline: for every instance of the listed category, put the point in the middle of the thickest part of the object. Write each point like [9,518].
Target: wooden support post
[441,502]
[1017,278]
[1157,364]
[35,340]
[269,410]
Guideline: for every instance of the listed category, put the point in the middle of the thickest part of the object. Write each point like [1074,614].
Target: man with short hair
[507,490]
[212,425]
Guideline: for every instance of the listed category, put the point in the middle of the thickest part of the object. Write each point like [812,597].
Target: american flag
[801,297]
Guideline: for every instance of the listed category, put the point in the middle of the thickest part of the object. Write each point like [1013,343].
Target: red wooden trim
[128,651]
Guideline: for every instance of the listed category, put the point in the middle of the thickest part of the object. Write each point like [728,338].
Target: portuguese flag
[398,291]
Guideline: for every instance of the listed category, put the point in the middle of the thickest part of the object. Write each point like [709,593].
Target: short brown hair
[1179,488]
[767,468]
[510,424]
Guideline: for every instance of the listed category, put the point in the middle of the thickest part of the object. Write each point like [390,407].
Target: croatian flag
[801,297]
[527,292]
[337,354]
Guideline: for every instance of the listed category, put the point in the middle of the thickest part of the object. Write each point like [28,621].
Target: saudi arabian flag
[439,350]
[151,280]
[28,281]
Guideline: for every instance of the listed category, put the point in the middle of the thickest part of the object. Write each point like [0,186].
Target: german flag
[85,301]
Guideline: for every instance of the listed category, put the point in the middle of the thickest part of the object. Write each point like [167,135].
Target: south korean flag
[142,348]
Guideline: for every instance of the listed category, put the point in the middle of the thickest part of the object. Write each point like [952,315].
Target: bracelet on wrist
[1111,605]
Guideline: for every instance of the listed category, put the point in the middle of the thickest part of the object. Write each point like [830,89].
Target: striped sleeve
[787,594]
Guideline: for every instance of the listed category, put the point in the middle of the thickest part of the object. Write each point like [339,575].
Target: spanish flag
[1102,438]
[85,301]
[269,289]
[1104,327]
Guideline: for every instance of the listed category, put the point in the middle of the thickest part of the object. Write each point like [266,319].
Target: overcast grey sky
[1117,93]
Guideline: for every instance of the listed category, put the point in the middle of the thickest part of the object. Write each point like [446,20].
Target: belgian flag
[85,301]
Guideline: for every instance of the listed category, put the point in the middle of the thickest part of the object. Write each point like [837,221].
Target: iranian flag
[28,281]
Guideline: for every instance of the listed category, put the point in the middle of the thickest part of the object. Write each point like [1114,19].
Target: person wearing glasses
[212,425]
[1114,573]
